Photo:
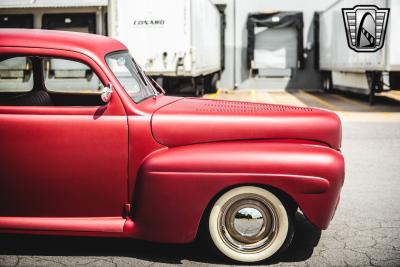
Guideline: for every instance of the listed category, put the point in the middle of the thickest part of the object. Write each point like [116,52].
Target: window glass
[130,76]
[68,76]
[16,75]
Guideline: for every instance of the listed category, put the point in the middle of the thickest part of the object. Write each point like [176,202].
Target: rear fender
[177,184]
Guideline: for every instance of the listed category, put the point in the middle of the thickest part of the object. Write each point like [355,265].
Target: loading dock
[275,43]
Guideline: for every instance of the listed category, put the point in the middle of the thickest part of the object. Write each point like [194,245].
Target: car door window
[48,81]
[68,76]
[130,76]
[16,75]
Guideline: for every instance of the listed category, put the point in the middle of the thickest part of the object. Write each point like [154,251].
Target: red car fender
[176,185]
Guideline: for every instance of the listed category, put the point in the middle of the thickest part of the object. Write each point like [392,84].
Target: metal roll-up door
[77,22]
[275,48]
[16,21]
[275,43]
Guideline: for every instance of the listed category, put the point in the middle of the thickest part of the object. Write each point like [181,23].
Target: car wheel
[249,224]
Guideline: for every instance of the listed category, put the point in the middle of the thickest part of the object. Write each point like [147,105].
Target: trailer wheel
[210,83]
[375,85]
[371,97]
[197,88]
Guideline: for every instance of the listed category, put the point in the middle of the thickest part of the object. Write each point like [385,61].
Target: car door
[63,153]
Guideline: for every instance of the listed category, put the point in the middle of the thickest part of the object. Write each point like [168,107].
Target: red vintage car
[90,146]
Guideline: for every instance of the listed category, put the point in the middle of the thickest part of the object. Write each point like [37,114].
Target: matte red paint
[72,170]
[179,182]
[81,224]
[214,120]
[63,165]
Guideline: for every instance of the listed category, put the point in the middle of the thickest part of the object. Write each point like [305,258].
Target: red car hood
[192,120]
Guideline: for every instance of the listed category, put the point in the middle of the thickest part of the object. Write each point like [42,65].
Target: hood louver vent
[240,107]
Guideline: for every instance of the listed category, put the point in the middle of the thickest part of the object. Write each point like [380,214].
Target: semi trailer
[176,41]
[343,68]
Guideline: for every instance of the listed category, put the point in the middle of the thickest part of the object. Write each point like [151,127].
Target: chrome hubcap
[248,223]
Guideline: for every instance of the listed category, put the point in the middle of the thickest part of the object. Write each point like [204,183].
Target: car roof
[90,44]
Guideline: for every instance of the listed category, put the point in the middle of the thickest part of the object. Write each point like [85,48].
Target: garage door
[275,48]
[16,21]
[77,22]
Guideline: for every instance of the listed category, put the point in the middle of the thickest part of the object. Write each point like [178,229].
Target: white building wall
[227,75]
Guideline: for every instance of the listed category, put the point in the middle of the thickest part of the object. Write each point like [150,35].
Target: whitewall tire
[249,224]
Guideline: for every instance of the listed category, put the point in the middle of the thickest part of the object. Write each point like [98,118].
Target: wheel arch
[289,202]
[176,186]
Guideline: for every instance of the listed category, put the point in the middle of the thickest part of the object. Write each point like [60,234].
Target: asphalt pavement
[364,232]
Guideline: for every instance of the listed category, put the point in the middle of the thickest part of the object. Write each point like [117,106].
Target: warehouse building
[264,44]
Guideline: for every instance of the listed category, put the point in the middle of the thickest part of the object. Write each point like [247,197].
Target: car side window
[16,75]
[48,81]
[69,76]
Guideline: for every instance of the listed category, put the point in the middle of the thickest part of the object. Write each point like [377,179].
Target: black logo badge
[365,27]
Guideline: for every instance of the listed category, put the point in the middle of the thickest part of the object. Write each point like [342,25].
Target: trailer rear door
[157,32]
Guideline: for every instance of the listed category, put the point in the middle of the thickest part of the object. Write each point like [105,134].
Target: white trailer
[174,41]
[363,72]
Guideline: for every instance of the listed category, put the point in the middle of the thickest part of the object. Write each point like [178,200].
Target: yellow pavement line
[371,116]
[287,99]
[385,114]
[253,95]
[213,95]
[392,94]
[319,100]
[351,101]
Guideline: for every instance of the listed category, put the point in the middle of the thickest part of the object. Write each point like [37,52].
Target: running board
[75,224]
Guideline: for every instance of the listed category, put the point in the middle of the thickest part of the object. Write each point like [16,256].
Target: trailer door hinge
[127,210]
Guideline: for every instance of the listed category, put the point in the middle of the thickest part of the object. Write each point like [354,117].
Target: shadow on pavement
[349,101]
[305,239]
